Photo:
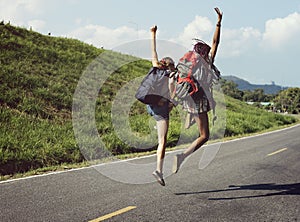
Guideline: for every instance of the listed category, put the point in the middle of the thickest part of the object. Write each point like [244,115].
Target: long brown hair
[202,49]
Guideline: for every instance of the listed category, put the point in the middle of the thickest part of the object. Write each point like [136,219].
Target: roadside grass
[83,164]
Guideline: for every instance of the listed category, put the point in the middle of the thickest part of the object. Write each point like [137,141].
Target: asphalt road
[250,179]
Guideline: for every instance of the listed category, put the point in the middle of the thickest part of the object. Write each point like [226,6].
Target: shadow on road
[275,189]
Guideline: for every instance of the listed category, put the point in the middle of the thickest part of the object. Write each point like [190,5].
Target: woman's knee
[206,135]
[162,142]
[205,138]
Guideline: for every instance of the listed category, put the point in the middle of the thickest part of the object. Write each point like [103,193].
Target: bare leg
[162,130]
[203,126]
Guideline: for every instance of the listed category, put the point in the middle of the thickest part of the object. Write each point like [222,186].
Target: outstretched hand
[220,14]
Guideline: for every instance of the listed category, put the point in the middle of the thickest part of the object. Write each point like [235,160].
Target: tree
[257,95]
[288,100]
[229,88]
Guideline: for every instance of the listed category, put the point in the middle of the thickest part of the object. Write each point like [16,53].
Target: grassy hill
[38,78]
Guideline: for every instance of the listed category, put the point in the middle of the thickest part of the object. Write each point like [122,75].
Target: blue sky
[259,39]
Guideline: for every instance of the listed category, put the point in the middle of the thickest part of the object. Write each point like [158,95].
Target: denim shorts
[159,112]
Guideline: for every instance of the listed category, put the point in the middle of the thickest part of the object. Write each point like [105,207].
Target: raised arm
[216,37]
[155,61]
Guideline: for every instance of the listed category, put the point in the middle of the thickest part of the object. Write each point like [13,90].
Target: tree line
[287,100]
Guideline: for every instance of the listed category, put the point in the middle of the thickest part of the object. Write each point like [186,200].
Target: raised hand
[153,28]
[220,14]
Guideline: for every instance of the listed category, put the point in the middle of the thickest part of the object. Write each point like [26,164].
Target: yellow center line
[124,210]
[278,151]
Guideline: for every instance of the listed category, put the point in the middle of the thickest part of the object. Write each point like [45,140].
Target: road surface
[251,179]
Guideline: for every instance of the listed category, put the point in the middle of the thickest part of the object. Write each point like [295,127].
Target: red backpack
[193,71]
[186,83]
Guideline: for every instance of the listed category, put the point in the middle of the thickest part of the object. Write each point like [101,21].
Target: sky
[260,40]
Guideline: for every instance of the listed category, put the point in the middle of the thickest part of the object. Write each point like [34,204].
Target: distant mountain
[245,85]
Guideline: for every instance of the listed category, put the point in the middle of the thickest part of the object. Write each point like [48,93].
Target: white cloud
[233,42]
[18,11]
[200,28]
[108,38]
[280,32]
[236,42]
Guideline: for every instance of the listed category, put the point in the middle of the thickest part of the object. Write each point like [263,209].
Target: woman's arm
[155,61]
[216,37]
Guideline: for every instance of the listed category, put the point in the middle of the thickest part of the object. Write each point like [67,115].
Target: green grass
[27,142]
[244,119]
[38,78]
